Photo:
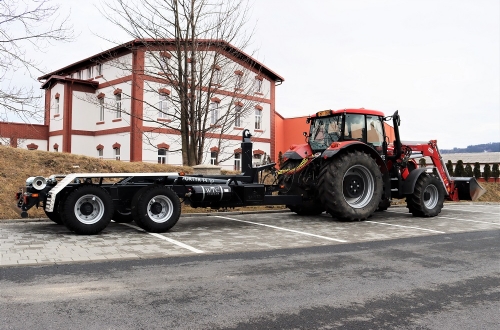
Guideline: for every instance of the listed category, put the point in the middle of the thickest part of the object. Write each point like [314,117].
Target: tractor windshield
[324,131]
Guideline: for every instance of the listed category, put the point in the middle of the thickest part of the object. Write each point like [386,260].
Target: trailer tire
[350,186]
[156,208]
[87,210]
[427,198]
[54,216]
[309,207]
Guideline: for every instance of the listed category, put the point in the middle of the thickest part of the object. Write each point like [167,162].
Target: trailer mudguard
[411,180]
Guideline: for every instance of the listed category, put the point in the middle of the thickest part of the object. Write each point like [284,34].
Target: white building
[118,105]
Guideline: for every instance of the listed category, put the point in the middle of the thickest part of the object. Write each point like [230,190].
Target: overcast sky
[436,61]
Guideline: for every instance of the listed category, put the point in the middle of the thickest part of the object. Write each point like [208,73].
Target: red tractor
[349,168]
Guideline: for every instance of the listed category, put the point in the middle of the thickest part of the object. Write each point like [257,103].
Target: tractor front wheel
[427,198]
[350,186]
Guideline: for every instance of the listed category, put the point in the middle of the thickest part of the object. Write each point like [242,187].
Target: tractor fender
[298,151]
[355,145]
[409,183]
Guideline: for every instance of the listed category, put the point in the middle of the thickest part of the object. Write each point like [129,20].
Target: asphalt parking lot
[43,242]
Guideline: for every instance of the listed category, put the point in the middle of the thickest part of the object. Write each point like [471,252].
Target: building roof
[128,46]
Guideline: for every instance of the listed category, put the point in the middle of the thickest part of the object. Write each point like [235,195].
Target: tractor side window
[354,127]
[375,133]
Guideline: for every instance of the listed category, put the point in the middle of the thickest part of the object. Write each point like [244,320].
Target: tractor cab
[361,125]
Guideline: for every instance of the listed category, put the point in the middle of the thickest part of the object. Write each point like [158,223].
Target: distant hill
[487,147]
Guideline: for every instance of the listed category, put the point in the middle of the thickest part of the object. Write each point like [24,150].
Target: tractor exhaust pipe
[396,121]
[468,188]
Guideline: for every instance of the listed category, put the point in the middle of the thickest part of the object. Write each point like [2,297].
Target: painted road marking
[285,229]
[490,223]
[390,224]
[173,241]
[471,211]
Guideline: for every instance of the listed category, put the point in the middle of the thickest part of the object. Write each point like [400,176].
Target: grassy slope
[16,165]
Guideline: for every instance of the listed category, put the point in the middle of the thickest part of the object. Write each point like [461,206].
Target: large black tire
[87,210]
[123,216]
[350,186]
[55,215]
[383,205]
[427,198]
[310,207]
[156,209]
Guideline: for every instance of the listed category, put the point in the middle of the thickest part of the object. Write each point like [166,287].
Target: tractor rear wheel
[350,186]
[427,198]
[309,207]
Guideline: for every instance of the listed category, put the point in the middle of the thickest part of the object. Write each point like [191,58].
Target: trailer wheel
[156,209]
[122,215]
[309,207]
[350,186]
[427,198]
[87,210]
[55,215]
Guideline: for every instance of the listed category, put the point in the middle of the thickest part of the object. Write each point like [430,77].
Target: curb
[208,214]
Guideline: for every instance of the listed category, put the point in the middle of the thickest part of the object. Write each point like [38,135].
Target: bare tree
[188,52]
[25,24]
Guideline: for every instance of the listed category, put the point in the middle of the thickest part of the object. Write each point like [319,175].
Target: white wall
[22,143]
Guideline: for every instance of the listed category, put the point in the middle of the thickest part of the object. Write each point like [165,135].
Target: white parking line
[474,211]
[285,229]
[411,227]
[490,223]
[173,241]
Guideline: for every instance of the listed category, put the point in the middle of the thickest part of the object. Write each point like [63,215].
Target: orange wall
[290,131]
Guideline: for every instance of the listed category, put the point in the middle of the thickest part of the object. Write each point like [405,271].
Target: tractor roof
[361,111]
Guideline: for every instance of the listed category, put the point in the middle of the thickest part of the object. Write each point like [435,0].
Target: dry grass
[16,165]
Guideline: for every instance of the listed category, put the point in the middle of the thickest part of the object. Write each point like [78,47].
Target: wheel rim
[160,208]
[431,196]
[358,186]
[89,209]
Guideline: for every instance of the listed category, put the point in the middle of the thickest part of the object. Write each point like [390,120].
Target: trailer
[86,202]
[346,167]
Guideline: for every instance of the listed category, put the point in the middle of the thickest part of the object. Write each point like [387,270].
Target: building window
[118,113]
[237,162]
[101,109]
[239,81]
[117,153]
[100,153]
[213,157]
[217,75]
[90,72]
[99,69]
[163,106]
[214,112]
[79,75]
[258,84]
[257,159]
[162,156]
[258,119]
[57,106]
[237,115]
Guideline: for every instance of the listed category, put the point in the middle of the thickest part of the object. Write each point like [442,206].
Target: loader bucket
[468,188]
